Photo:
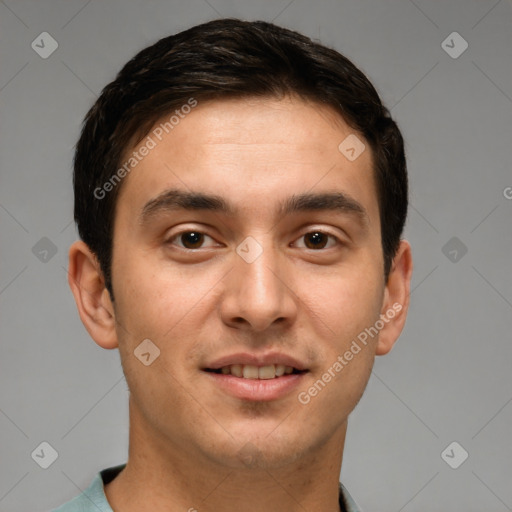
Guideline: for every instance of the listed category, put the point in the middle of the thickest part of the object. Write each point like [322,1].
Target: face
[246,245]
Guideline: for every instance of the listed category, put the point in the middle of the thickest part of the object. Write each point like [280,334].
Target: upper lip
[244,358]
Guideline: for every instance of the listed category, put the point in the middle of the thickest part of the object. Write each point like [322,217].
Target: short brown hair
[229,58]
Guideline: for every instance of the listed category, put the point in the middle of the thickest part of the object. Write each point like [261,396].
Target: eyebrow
[330,201]
[175,199]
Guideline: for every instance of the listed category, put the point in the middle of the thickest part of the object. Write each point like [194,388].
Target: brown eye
[192,239]
[316,240]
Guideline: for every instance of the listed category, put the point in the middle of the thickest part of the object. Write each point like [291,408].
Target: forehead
[252,152]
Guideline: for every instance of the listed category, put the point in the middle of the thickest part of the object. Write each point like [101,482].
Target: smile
[248,371]
[256,383]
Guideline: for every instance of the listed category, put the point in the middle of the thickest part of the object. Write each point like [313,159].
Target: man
[240,194]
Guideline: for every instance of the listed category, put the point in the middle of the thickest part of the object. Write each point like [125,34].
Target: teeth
[248,371]
[267,372]
[236,370]
[279,370]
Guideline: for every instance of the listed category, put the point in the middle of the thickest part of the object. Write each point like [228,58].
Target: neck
[160,475]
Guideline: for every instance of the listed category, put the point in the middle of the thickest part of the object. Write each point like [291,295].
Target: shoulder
[93,499]
[347,503]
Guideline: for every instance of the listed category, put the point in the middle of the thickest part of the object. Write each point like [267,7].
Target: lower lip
[257,390]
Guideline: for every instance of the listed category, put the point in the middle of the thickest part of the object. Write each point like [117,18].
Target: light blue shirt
[93,499]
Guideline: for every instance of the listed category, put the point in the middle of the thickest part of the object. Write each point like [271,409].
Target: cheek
[347,301]
[170,308]
[152,306]
[152,296]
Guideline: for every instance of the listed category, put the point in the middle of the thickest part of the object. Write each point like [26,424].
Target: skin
[188,438]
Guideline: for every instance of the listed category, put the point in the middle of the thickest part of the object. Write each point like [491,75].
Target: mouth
[251,379]
[249,371]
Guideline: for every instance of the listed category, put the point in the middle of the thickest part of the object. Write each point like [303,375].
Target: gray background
[448,378]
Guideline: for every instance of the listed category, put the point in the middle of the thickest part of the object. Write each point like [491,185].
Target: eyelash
[314,231]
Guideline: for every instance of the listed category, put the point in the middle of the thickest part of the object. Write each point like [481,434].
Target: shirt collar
[95,494]
[347,501]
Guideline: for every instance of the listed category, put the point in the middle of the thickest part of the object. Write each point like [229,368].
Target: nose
[258,295]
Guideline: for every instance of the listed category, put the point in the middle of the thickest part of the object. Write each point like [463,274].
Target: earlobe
[92,298]
[396,299]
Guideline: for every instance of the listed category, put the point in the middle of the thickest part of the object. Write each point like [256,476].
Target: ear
[396,299]
[92,298]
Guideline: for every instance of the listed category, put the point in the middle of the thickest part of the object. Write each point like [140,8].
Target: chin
[259,451]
